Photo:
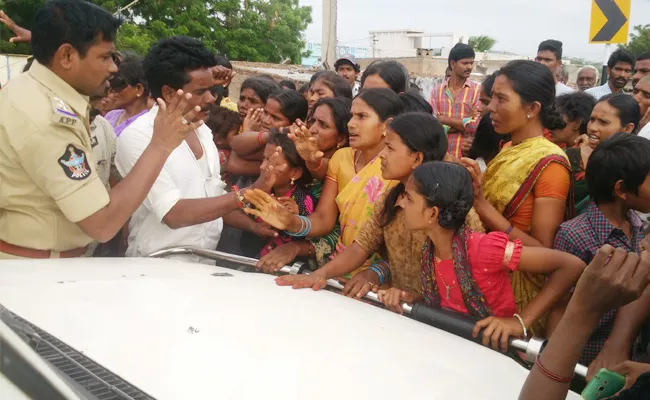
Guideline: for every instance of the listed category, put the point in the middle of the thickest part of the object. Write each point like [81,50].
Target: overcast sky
[517,25]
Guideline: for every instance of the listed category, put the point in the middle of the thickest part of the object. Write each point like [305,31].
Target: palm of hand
[307,149]
[276,215]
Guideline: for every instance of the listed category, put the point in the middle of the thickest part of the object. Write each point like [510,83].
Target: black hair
[621,157]
[392,72]
[293,105]
[535,82]
[461,51]
[78,23]
[628,110]
[414,102]
[420,132]
[287,84]
[576,106]
[281,139]
[28,64]
[554,46]
[131,73]
[447,186]
[170,59]
[385,102]
[644,56]
[487,142]
[621,56]
[263,87]
[342,61]
[339,86]
[304,88]
[340,108]
[222,121]
[488,83]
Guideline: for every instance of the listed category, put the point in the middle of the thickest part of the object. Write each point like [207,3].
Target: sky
[517,25]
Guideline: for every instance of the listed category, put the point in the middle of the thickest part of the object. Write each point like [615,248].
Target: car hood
[181,330]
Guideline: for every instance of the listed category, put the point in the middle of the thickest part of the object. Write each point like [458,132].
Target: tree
[481,43]
[252,30]
[639,41]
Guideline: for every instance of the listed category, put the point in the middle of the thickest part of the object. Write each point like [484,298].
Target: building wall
[394,44]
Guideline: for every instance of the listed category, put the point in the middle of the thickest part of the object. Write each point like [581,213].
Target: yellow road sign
[610,21]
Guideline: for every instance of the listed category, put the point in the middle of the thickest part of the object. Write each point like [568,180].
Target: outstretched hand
[268,209]
[306,143]
[22,35]
[175,121]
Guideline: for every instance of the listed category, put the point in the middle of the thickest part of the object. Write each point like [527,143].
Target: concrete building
[411,42]
[314,59]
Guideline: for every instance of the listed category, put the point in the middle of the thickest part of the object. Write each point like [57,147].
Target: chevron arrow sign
[610,21]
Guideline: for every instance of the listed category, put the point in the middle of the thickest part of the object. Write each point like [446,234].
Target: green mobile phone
[606,383]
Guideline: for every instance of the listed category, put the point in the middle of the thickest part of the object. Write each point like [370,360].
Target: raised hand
[306,143]
[269,209]
[290,204]
[477,177]
[269,171]
[22,35]
[253,120]
[222,75]
[175,121]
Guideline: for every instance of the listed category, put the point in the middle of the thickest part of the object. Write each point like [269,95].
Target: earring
[138,95]
[293,181]
[528,116]
[338,146]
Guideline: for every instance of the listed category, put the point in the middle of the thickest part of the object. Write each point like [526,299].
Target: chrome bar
[532,348]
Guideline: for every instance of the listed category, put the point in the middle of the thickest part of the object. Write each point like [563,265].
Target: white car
[127,328]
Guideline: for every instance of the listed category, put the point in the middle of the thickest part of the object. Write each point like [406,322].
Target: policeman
[52,202]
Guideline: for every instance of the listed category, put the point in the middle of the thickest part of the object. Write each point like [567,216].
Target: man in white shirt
[549,53]
[642,96]
[187,204]
[619,68]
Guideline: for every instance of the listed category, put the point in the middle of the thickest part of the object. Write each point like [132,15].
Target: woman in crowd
[387,74]
[129,93]
[224,124]
[525,188]
[612,114]
[468,272]
[411,139]
[253,95]
[487,143]
[485,96]
[414,102]
[353,182]
[290,184]
[328,85]
[576,110]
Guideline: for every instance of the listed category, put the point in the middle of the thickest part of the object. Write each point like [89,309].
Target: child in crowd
[576,111]
[291,187]
[618,179]
[327,85]
[224,124]
[469,272]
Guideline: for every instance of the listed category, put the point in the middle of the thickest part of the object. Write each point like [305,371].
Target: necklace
[455,285]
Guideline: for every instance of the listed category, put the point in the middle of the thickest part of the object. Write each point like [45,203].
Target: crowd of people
[511,200]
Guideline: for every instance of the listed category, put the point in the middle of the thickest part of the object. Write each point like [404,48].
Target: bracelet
[240,198]
[260,138]
[550,375]
[383,266]
[509,230]
[305,228]
[521,321]
[379,273]
[320,165]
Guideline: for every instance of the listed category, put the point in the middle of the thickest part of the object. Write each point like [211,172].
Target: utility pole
[328,45]
[374,45]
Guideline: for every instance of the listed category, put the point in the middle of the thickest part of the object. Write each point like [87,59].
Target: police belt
[25,252]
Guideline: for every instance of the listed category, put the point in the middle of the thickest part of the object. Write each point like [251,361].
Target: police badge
[74,163]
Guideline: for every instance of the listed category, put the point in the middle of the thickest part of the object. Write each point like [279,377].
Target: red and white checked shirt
[461,107]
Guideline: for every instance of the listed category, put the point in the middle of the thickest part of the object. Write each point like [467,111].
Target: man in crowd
[52,202]
[454,99]
[642,67]
[187,204]
[587,77]
[549,53]
[561,74]
[619,68]
[642,96]
[348,68]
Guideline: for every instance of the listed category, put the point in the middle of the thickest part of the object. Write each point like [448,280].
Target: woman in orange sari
[525,188]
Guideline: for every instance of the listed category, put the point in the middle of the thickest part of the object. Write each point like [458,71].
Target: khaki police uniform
[48,173]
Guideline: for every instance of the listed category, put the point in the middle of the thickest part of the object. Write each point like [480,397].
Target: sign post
[610,23]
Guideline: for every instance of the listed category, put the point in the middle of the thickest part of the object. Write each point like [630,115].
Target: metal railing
[446,320]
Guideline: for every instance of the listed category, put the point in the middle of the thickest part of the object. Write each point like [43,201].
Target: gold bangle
[521,321]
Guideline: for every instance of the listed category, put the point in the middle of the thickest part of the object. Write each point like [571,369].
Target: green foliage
[251,30]
[639,41]
[481,43]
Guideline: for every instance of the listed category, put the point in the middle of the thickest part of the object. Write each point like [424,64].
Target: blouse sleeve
[333,166]
[371,235]
[493,251]
[554,182]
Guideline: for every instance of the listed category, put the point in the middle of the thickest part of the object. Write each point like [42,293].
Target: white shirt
[561,89]
[645,132]
[600,91]
[355,89]
[181,178]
